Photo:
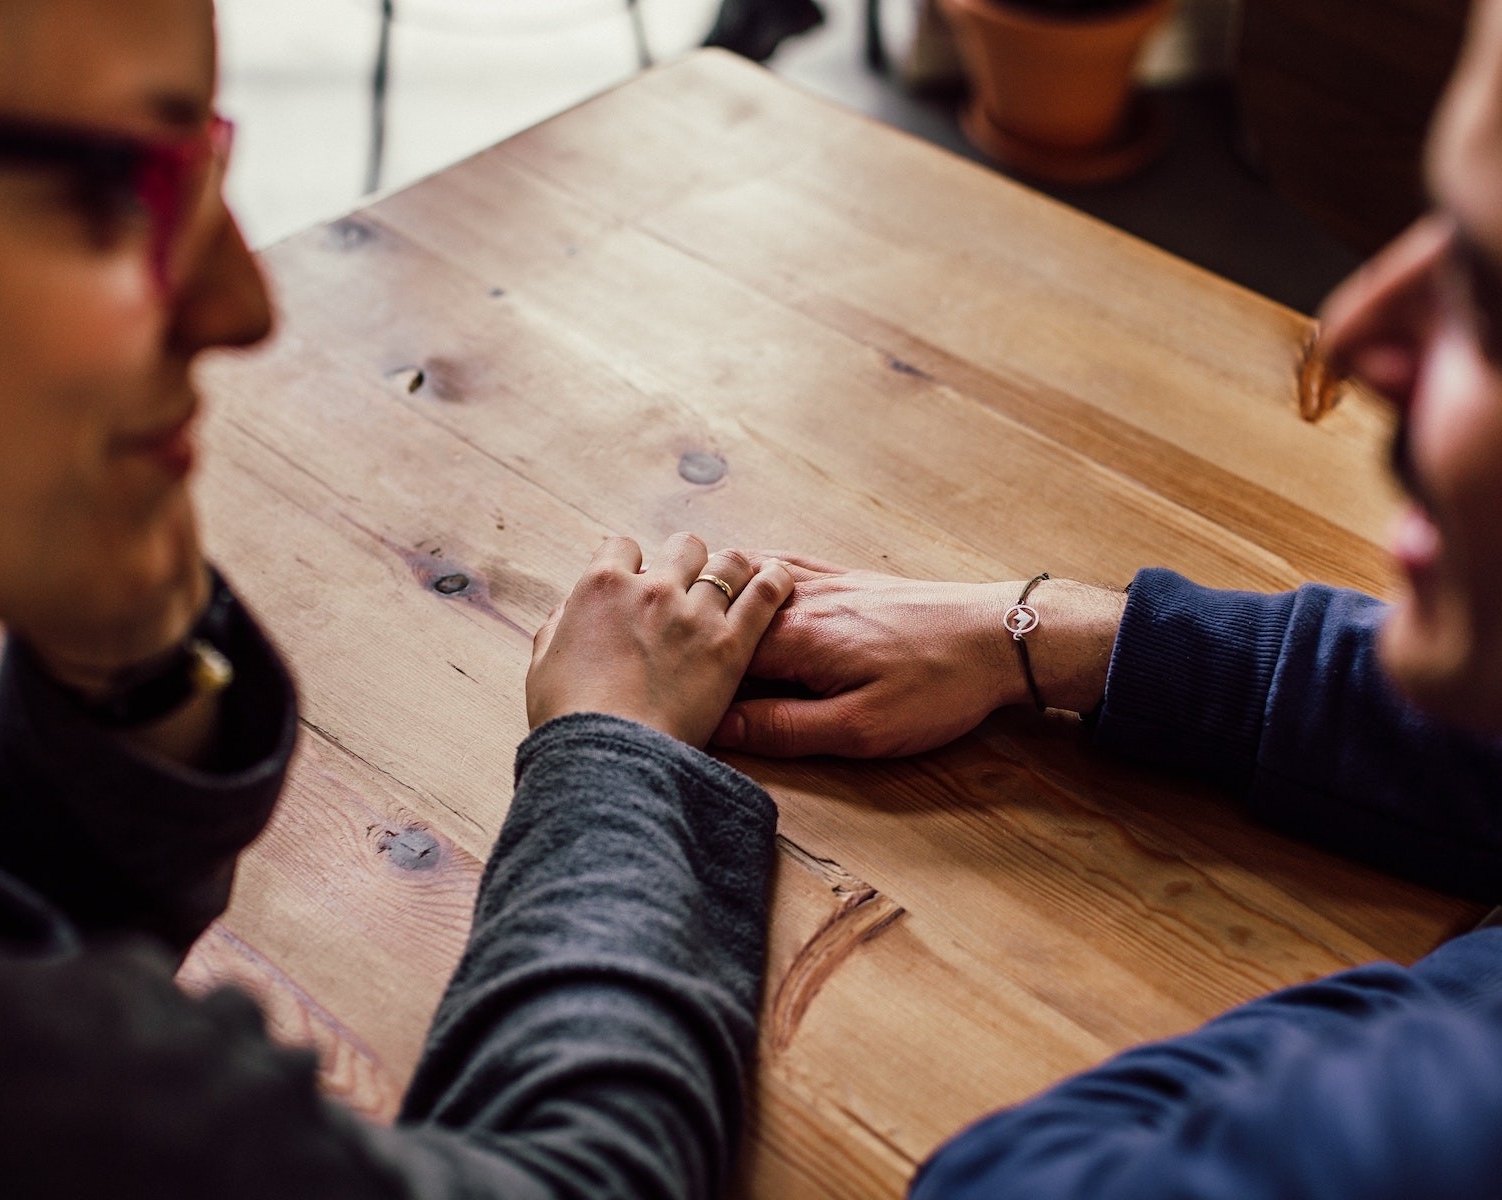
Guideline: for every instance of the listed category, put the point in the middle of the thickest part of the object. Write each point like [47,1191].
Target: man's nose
[1373,326]
[224,301]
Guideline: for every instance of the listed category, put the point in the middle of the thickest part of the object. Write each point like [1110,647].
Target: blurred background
[1293,125]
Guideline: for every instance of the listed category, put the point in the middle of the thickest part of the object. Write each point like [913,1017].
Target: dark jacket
[593,1042]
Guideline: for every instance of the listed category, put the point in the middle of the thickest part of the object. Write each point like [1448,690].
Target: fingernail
[732,731]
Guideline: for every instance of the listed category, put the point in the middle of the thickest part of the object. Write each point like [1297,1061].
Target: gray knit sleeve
[596,1036]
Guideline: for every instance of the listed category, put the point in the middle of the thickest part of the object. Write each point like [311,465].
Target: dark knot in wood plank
[702,467]
[411,849]
[441,378]
[349,234]
[903,367]
[442,577]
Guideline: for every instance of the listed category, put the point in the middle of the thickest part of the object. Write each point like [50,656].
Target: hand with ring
[666,645]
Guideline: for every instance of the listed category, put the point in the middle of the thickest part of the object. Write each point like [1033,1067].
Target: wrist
[1068,649]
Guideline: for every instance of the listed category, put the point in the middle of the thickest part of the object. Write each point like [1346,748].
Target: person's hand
[653,645]
[897,666]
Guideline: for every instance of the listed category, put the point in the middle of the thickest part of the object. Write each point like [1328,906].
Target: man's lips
[1415,541]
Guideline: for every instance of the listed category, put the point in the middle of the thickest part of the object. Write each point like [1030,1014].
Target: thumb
[784,727]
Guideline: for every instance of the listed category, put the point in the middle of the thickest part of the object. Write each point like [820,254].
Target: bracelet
[1020,620]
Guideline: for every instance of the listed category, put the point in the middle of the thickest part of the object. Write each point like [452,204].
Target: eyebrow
[180,110]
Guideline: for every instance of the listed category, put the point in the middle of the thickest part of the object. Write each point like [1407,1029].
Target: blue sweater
[1377,1082]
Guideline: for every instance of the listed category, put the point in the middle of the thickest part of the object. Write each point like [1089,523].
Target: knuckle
[685,538]
[658,591]
[765,588]
[780,734]
[733,562]
[599,581]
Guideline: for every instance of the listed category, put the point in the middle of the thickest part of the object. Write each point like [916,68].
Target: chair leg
[876,50]
[639,32]
[755,28]
[379,79]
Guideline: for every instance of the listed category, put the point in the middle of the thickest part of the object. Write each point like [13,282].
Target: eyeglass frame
[162,173]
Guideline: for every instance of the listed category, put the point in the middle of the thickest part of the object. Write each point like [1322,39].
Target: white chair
[380,78]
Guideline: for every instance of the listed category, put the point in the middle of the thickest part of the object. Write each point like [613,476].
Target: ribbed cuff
[1189,676]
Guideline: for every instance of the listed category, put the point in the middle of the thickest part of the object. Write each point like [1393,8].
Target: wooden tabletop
[707,301]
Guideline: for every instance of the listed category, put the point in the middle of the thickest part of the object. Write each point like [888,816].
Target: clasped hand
[653,645]
[889,666]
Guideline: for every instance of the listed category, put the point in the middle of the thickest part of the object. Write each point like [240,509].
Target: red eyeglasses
[171,180]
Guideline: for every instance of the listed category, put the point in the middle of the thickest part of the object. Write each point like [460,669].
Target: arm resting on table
[598,1030]
[1281,699]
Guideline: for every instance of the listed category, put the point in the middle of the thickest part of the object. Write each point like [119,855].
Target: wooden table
[707,301]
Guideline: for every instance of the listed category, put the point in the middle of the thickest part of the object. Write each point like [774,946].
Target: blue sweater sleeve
[1378,1083]
[1281,700]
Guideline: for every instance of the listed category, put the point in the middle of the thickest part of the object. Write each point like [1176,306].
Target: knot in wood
[701,467]
[349,234]
[411,849]
[450,585]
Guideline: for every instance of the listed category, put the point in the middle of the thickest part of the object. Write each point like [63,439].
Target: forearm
[1282,701]
[597,1033]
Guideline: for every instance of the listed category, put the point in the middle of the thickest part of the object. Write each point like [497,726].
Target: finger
[763,594]
[543,638]
[790,728]
[802,566]
[617,553]
[681,558]
[787,649]
[731,566]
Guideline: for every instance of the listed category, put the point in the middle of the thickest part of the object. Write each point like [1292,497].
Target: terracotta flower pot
[1053,88]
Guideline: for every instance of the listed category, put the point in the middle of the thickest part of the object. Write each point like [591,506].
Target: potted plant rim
[1052,83]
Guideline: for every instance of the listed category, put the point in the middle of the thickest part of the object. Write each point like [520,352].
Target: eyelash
[108,204]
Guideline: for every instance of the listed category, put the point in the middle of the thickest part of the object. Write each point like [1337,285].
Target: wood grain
[706,301]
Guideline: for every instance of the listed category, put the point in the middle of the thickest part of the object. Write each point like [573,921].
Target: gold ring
[719,583]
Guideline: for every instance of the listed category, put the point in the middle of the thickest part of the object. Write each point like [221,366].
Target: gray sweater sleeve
[596,1036]
[594,1041]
